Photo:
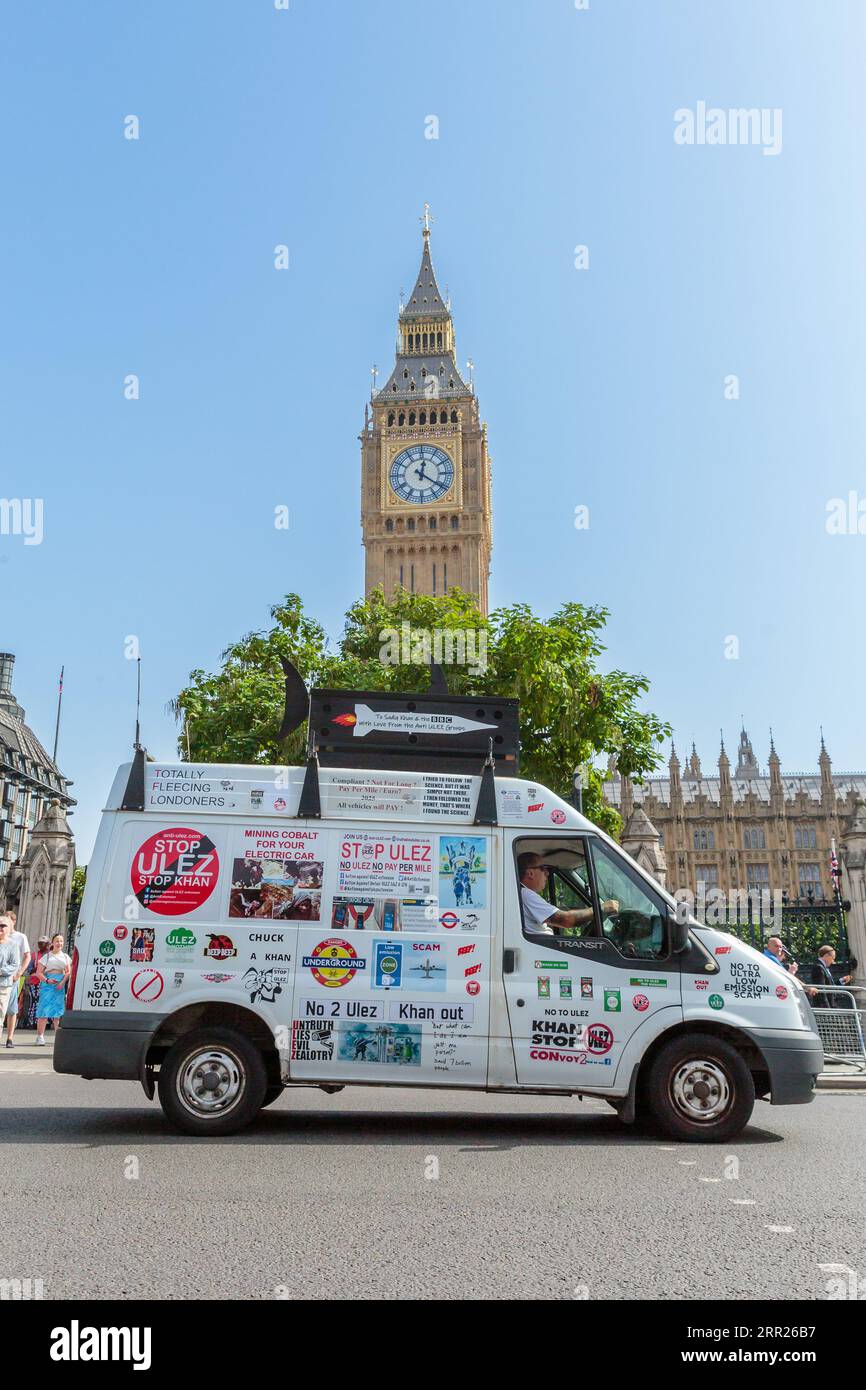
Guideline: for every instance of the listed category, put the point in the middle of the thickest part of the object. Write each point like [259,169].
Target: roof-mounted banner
[440,733]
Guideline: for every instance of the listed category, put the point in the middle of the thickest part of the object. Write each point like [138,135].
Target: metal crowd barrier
[839,1026]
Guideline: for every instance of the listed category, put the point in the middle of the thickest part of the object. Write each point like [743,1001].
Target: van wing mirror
[678,928]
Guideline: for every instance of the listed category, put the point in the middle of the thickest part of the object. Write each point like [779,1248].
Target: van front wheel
[699,1088]
[213,1081]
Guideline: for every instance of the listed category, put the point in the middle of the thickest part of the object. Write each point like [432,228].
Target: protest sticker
[376,864]
[175,871]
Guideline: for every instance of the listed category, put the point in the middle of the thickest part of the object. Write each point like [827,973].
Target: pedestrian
[10,962]
[53,975]
[14,1002]
[43,947]
[775,950]
[822,975]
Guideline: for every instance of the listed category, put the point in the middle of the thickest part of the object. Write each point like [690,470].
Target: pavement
[396,1194]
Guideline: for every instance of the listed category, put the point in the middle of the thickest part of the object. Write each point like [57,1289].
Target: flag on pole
[835,872]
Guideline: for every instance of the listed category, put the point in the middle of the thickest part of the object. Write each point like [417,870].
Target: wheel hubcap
[210,1082]
[700,1090]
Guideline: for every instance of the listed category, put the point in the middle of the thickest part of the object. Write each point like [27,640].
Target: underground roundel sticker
[334,962]
[175,871]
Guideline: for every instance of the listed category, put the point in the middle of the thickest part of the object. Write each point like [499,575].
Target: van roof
[177,789]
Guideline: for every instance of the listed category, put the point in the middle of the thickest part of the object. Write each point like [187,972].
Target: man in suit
[822,974]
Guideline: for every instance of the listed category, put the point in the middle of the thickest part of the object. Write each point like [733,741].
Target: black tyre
[700,1088]
[213,1081]
[271,1094]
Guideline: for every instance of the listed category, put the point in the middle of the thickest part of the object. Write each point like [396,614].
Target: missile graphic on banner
[369,721]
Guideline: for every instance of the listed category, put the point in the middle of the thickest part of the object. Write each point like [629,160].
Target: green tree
[76,893]
[571,713]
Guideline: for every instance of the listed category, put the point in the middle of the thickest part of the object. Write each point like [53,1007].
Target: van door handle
[509,960]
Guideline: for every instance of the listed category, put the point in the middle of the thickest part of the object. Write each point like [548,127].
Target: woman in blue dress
[53,974]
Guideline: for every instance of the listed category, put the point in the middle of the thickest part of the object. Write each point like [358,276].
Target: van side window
[554,888]
[633,918]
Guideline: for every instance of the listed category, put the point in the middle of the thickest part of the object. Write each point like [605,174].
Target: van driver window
[636,929]
[555,894]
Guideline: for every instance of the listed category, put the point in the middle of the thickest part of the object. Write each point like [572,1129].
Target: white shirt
[55,960]
[23,945]
[536,911]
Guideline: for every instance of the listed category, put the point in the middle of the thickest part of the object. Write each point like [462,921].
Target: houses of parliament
[741,827]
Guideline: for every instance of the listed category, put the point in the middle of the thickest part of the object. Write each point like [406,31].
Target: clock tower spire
[425,469]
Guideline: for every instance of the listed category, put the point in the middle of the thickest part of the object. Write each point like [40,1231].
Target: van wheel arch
[210,1012]
[748,1050]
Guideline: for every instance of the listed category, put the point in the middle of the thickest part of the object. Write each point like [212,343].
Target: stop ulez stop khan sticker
[175,871]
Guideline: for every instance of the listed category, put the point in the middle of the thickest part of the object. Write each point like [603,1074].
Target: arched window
[455,523]
[411,417]
[391,418]
[410,524]
[454,417]
[405,374]
[401,418]
[423,371]
[422,418]
[389,525]
[432,523]
[439,340]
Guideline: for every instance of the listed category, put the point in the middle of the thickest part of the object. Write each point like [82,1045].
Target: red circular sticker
[599,1038]
[640,1002]
[175,871]
[781,992]
[147,986]
[557,817]
[448,920]
[334,962]
[473,987]
[121,933]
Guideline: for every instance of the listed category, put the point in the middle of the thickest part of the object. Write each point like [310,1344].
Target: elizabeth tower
[425,469]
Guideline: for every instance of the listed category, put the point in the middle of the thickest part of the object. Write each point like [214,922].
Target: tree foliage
[571,713]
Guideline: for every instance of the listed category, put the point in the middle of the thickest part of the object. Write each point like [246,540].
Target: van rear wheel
[700,1088]
[212,1081]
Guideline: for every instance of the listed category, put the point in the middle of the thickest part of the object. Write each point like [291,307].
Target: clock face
[421,473]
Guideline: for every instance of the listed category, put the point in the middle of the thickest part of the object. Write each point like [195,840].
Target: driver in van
[542,917]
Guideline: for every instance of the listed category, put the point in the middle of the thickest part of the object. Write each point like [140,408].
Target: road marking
[711,1180]
[688,1163]
[666,1148]
[743,1201]
[782,1230]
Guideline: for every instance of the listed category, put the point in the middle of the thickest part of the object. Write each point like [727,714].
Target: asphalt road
[403,1194]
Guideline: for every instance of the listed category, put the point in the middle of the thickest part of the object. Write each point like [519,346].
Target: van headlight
[806,1017]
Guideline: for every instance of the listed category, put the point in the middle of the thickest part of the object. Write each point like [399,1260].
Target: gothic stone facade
[426,512]
[744,829]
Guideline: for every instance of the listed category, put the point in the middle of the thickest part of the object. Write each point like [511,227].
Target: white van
[229,947]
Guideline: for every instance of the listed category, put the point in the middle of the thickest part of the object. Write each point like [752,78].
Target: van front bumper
[794,1060]
[111,1047]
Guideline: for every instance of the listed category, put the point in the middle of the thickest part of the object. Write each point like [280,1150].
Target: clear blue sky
[603,388]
